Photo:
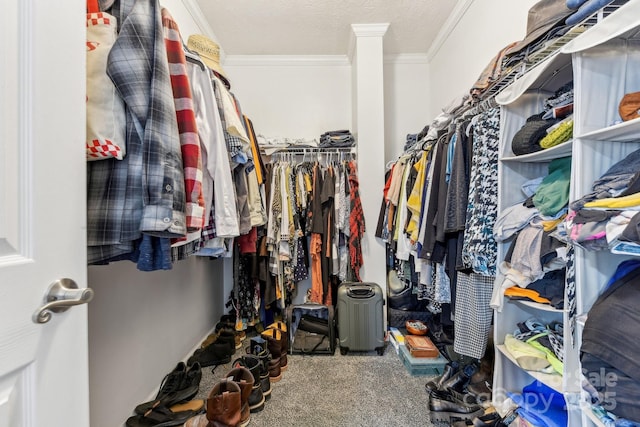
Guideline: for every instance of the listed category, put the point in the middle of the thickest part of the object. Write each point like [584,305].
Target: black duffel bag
[314,324]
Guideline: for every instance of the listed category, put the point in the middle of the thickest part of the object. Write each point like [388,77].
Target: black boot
[447,407]
[481,390]
[227,337]
[258,347]
[449,370]
[213,354]
[459,381]
[253,364]
[437,333]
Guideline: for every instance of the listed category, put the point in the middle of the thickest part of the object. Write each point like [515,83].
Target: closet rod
[300,150]
[291,153]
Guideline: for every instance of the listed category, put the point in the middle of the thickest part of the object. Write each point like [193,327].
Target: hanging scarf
[356,222]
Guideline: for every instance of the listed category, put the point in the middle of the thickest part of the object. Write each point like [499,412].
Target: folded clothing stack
[537,347]
[337,139]
[540,405]
[583,9]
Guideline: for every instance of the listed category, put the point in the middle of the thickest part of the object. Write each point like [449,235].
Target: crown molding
[286,60]
[449,25]
[364,30]
[406,58]
[315,60]
[369,30]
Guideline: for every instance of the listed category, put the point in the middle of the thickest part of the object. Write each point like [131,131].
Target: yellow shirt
[414,202]
[629,201]
[552,224]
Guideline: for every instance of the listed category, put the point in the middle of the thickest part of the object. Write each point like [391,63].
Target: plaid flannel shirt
[145,191]
[235,144]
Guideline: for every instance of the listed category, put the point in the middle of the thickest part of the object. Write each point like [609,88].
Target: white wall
[293,97]
[142,323]
[482,31]
[406,100]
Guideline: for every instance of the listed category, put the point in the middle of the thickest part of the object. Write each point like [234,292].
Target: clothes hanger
[193,57]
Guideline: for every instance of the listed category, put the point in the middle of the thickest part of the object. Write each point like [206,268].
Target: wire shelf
[545,52]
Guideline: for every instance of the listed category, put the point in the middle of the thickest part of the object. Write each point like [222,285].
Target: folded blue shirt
[541,405]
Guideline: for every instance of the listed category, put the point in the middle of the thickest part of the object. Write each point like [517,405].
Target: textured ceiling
[321,27]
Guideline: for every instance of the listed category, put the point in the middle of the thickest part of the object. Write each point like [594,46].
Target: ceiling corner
[458,12]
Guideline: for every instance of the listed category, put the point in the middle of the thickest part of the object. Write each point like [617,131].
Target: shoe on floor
[179,385]
[214,354]
[276,344]
[223,407]
[447,407]
[254,365]
[449,370]
[243,377]
[160,416]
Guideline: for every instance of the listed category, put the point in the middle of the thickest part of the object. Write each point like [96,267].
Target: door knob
[62,294]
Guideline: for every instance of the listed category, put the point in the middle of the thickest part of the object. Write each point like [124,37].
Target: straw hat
[209,52]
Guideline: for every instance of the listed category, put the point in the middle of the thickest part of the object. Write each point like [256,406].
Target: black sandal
[160,416]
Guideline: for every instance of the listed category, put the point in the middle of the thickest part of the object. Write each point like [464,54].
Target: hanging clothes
[480,249]
[144,192]
[221,217]
[185,134]
[186,121]
[310,206]
[356,222]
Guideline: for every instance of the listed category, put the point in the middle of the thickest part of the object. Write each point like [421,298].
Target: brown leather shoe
[223,407]
[282,327]
[243,377]
[274,345]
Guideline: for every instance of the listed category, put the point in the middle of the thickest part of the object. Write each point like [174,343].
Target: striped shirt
[189,139]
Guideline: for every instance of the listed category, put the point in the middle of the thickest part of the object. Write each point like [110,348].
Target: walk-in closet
[337,213]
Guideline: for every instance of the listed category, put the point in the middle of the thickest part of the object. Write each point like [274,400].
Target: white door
[43,367]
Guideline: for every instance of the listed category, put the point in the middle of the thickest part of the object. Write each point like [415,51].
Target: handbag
[405,300]
[105,108]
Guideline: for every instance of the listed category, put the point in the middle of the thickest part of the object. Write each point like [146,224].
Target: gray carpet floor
[357,389]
